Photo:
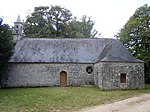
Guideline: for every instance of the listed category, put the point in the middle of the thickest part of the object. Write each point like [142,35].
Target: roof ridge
[68,38]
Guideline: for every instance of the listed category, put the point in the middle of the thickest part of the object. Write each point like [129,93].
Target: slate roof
[70,50]
[116,51]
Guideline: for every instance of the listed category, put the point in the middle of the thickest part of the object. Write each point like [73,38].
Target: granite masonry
[108,75]
[37,74]
[103,62]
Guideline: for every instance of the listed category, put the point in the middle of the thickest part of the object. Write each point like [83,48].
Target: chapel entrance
[63,79]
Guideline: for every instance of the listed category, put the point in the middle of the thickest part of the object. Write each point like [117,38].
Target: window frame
[123,78]
[89,69]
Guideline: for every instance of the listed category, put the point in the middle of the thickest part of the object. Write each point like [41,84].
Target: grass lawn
[58,99]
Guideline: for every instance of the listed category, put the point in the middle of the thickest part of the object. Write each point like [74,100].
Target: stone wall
[107,75]
[22,75]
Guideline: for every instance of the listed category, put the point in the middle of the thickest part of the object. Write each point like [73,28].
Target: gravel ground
[135,104]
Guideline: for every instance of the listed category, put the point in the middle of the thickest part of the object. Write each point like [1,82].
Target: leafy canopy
[6,44]
[58,22]
[136,36]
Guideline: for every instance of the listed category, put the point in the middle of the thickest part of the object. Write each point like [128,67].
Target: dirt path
[135,104]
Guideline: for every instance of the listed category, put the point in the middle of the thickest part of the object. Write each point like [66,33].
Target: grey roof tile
[73,50]
[116,51]
[58,50]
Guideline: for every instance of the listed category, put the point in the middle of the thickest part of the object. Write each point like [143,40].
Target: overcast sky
[109,15]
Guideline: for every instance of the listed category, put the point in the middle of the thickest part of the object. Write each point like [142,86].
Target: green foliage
[135,35]
[57,22]
[82,29]
[58,99]
[6,44]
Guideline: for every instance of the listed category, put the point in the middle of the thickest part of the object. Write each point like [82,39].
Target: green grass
[58,99]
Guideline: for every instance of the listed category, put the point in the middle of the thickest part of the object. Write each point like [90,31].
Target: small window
[17,26]
[89,69]
[123,78]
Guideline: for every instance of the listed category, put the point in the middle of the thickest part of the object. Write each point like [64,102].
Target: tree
[57,22]
[6,44]
[47,22]
[83,28]
[135,35]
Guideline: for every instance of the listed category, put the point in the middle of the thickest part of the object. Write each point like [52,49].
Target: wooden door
[63,79]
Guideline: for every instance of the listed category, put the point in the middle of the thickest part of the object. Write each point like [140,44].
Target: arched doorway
[63,79]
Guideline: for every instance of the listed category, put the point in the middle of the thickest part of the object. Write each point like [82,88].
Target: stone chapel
[103,62]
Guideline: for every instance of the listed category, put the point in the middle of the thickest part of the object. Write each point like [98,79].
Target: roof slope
[116,51]
[59,50]
[70,50]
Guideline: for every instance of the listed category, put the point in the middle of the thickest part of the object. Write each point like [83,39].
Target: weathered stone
[19,75]
[108,75]
[101,61]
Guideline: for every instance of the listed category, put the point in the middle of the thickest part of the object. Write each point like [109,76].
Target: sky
[109,15]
